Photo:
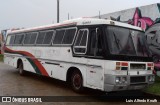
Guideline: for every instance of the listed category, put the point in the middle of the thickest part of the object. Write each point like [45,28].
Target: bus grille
[139,79]
[137,66]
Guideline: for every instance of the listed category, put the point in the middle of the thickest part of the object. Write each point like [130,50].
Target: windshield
[123,41]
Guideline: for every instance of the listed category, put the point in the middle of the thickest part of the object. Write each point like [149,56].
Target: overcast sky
[30,13]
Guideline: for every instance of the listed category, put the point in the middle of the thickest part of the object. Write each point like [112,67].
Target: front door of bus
[94,63]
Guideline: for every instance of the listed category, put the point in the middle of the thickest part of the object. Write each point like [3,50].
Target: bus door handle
[93,66]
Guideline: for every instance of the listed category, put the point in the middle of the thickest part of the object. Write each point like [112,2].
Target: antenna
[68,16]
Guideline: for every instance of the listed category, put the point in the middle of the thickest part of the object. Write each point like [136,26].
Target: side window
[40,38]
[99,51]
[84,39]
[69,36]
[95,47]
[48,37]
[18,39]
[92,43]
[33,37]
[27,38]
[58,37]
[80,46]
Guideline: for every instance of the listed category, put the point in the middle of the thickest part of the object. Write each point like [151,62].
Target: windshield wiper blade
[117,41]
[130,35]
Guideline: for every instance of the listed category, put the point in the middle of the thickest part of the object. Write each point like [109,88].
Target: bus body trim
[34,62]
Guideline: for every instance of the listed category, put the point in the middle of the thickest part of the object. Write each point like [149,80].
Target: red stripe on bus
[38,64]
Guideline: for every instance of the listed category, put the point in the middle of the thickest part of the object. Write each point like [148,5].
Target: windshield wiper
[117,41]
[130,35]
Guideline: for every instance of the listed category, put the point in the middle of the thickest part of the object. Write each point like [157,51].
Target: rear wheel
[77,81]
[20,69]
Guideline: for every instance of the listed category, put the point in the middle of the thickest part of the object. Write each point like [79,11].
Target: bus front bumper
[121,82]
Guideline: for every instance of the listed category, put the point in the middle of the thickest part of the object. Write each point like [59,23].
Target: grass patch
[1,58]
[155,88]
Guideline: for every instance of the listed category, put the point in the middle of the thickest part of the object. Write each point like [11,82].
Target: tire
[20,69]
[77,82]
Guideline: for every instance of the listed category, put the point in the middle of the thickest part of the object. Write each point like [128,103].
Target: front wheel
[77,81]
[21,70]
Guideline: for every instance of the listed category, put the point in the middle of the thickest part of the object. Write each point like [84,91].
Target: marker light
[118,79]
[121,65]
[124,79]
[150,66]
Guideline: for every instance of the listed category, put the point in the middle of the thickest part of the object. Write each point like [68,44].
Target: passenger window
[59,36]
[27,38]
[84,39]
[80,46]
[92,43]
[40,38]
[33,38]
[79,37]
[69,36]
[48,37]
[99,51]
[18,39]
[95,44]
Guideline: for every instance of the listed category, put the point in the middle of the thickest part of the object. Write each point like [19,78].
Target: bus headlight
[151,78]
[118,80]
[124,79]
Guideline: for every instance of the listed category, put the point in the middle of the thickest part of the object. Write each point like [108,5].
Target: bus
[85,52]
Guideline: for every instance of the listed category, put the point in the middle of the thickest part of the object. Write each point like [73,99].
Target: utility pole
[99,14]
[57,11]
[68,16]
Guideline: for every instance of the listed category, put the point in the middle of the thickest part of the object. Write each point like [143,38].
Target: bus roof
[80,22]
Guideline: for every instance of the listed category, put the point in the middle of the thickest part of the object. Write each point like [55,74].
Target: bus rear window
[10,40]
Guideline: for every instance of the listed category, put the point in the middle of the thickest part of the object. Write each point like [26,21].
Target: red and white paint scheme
[86,52]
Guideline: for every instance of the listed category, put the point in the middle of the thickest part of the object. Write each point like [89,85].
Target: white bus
[85,52]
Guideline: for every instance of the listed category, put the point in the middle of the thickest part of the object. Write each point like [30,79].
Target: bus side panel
[27,66]
[8,60]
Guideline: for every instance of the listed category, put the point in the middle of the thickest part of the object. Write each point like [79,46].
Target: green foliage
[1,58]
[155,88]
